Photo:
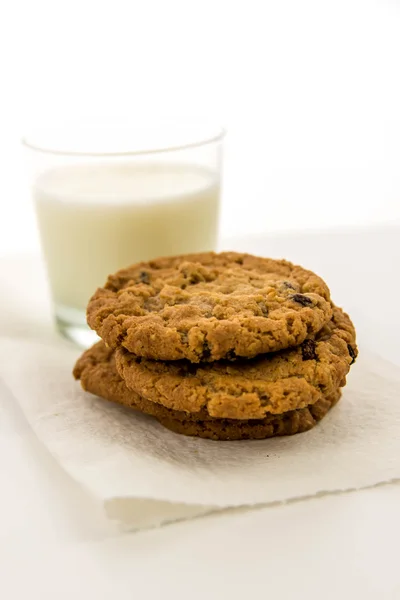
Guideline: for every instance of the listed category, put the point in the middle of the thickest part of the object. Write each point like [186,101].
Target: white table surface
[53,544]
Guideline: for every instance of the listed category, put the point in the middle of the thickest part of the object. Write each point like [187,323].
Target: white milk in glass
[96,219]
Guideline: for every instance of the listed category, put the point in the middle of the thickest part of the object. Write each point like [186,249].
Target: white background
[309,91]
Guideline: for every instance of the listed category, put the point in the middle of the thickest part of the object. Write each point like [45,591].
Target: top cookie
[206,307]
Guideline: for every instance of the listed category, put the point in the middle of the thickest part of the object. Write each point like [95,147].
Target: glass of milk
[109,197]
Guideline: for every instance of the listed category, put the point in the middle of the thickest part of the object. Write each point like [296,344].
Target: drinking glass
[106,198]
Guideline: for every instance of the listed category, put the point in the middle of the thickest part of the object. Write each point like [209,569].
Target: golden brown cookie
[205,307]
[97,372]
[290,423]
[249,389]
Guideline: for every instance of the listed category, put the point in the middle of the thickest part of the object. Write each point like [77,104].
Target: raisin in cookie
[205,307]
[98,374]
[248,389]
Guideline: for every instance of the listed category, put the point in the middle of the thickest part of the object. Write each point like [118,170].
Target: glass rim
[217,135]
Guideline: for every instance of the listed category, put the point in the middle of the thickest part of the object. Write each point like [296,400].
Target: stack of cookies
[223,346]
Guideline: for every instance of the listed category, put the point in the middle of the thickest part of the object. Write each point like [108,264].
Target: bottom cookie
[295,421]
[98,374]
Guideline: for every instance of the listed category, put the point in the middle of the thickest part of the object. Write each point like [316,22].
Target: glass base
[71,323]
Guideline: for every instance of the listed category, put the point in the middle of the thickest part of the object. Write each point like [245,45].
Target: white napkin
[146,475]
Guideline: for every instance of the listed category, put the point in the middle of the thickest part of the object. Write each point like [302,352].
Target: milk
[96,219]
